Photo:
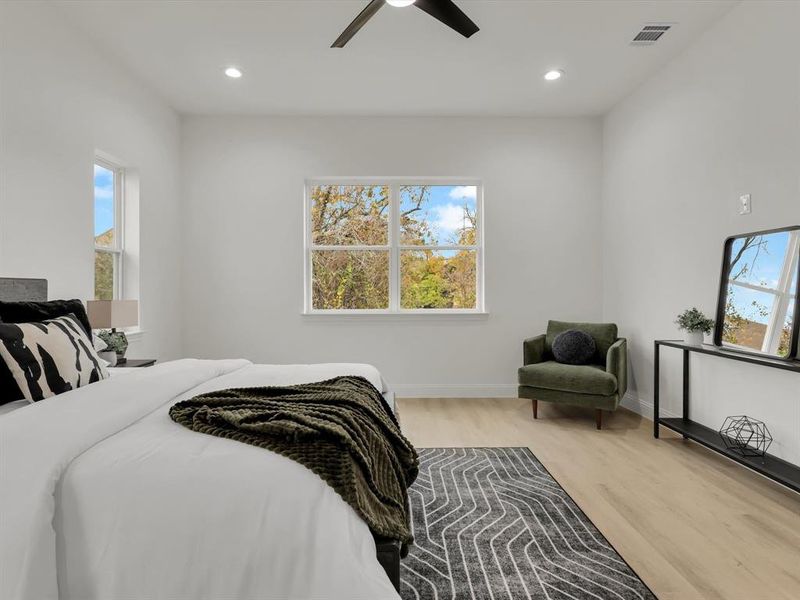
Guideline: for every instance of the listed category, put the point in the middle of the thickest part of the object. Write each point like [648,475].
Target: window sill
[395,316]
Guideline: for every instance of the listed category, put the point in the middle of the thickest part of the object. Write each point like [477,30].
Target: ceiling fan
[443,10]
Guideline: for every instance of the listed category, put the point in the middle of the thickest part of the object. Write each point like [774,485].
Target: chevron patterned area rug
[493,524]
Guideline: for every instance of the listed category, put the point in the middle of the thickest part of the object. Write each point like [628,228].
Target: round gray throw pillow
[574,347]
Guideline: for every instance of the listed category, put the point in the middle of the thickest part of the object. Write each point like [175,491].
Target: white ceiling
[403,62]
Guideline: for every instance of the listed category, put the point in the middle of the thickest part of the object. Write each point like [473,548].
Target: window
[396,246]
[109,236]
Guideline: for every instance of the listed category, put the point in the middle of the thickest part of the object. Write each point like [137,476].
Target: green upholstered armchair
[599,385]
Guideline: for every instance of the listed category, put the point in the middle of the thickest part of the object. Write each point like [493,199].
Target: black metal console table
[770,466]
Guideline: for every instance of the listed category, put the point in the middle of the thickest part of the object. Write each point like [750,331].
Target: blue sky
[444,210]
[765,265]
[103,200]
[743,299]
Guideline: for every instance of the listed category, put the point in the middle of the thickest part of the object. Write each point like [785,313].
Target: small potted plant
[695,324]
[116,342]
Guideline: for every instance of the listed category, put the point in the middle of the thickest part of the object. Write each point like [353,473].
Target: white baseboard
[643,407]
[447,390]
[502,390]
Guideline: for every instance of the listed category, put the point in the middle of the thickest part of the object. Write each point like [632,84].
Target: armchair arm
[617,364]
[533,350]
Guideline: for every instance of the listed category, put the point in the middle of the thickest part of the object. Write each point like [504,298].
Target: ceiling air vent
[650,34]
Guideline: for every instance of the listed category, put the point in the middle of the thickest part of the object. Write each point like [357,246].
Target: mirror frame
[723,295]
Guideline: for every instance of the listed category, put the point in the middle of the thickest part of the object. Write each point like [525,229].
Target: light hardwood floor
[691,523]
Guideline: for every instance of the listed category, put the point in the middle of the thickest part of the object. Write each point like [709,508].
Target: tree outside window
[394,247]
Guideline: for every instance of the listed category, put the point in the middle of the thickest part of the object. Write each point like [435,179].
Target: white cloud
[449,218]
[464,191]
[103,192]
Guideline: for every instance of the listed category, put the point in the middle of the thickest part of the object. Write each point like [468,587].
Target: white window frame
[783,295]
[393,247]
[118,248]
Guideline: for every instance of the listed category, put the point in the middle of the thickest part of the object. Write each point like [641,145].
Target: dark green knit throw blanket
[341,429]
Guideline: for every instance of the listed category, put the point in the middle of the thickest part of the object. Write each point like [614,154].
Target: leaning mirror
[758,310]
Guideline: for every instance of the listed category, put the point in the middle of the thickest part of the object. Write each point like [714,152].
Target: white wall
[721,120]
[60,100]
[243,261]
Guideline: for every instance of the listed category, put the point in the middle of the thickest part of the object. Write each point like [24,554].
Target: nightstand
[134,363]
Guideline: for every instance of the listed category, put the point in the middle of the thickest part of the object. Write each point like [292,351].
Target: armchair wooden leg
[535,409]
[599,418]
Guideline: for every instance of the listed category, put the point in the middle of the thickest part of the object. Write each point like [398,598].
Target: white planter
[693,338]
[109,357]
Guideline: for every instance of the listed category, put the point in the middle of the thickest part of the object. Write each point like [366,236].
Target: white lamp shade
[113,314]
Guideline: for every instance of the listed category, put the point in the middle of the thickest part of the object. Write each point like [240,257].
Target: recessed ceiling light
[400,3]
[553,75]
[233,72]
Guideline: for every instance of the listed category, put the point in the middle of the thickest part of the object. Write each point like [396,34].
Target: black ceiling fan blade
[449,14]
[362,18]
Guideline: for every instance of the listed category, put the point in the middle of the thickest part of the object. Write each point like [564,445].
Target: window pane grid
[765,290]
[350,279]
[108,229]
[456,248]
[328,248]
[438,279]
[349,215]
[445,257]
[105,209]
[106,274]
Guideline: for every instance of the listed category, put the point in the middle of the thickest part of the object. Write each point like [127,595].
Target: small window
[393,247]
[108,232]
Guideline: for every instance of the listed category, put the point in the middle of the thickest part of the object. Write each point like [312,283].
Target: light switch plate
[745,206]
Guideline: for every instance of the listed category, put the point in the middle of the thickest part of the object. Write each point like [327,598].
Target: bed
[104,496]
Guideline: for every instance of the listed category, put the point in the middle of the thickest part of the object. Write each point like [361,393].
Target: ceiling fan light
[442,10]
[554,74]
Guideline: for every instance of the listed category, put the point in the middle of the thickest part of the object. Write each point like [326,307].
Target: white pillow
[50,357]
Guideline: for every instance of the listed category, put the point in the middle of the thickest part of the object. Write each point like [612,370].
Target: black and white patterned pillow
[51,357]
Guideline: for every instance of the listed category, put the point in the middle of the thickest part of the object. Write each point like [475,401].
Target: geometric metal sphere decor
[745,435]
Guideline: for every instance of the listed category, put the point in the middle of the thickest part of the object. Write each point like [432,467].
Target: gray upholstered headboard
[14,289]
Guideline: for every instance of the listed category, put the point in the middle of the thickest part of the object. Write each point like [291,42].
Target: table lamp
[113,314]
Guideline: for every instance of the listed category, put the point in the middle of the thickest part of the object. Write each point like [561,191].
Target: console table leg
[685,387]
[655,389]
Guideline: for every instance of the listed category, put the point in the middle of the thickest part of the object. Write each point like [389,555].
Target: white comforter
[104,497]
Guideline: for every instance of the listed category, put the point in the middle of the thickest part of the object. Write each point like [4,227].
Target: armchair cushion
[578,379]
[604,334]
